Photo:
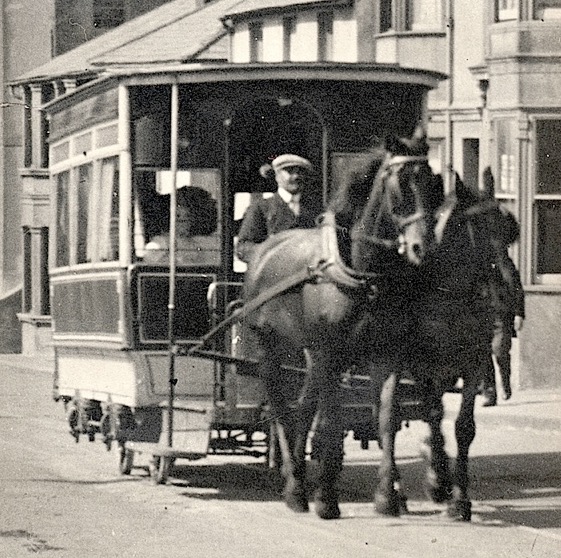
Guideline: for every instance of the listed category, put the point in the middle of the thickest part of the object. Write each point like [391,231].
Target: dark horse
[341,312]
[453,307]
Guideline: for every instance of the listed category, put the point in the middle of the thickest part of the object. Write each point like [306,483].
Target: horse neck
[374,237]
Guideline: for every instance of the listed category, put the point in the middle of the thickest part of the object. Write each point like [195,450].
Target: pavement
[527,409]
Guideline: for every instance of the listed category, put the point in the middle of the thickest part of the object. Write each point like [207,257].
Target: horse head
[398,217]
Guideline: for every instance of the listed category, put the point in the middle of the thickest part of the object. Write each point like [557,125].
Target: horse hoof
[435,491]
[296,498]
[391,505]
[297,503]
[459,510]
[327,506]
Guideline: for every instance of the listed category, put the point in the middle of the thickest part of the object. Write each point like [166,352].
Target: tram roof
[282,71]
[263,6]
[175,32]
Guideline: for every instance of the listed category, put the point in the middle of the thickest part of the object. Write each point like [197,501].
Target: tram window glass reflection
[84,197]
[63,219]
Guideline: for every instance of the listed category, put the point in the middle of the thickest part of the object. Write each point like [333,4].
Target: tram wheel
[160,468]
[126,460]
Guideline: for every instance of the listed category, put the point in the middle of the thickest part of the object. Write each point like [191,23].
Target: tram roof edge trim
[90,88]
[320,71]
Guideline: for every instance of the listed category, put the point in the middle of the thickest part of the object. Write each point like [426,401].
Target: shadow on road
[514,489]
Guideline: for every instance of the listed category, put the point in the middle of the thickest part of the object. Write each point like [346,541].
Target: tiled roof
[258,5]
[167,32]
[180,40]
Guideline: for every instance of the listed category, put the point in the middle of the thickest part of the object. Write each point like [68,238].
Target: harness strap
[303,276]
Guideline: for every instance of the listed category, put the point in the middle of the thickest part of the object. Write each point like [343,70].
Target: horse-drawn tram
[129,320]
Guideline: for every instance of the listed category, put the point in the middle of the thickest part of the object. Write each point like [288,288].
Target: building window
[547,199]
[423,15]
[504,134]
[547,9]
[506,10]
[470,170]
[325,36]
[256,42]
[386,15]
[108,13]
[288,30]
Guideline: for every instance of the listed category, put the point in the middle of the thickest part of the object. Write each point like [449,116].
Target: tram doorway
[261,130]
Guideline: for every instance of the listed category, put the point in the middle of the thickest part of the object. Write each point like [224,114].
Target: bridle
[400,222]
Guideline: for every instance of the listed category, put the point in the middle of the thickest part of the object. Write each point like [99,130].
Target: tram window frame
[151,216]
[86,186]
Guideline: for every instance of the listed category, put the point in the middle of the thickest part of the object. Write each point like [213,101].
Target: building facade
[497,109]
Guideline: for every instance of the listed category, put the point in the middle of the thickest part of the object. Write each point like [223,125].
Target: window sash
[546,201]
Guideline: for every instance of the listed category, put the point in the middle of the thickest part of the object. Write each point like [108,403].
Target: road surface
[61,499]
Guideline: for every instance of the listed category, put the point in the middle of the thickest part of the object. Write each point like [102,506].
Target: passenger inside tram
[196,223]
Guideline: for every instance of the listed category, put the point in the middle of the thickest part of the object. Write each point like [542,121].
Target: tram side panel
[110,333]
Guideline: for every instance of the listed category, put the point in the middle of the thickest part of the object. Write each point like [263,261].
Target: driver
[289,208]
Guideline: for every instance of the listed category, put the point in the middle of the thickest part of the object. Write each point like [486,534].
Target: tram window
[192,318]
[87,221]
[198,224]
[98,211]
[63,219]
[84,197]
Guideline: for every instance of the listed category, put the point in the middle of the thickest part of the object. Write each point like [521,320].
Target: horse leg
[459,508]
[438,481]
[326,370]
[288,424]
[388,500]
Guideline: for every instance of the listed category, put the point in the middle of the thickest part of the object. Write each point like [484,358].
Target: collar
[287,196]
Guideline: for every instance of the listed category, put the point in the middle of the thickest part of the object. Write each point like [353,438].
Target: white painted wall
[304,43]
[273,40]
[345,45]
[305,39]
[240,44]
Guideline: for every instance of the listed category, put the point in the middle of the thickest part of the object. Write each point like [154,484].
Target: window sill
[438,33]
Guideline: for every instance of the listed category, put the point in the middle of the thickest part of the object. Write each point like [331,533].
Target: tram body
[118,148]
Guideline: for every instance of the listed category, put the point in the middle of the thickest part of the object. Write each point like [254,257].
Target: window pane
[106,234]
[386,15]
[84,197]
[549,233]
[424,14]
[504,130]
[63,220]
[108,13]
[548,162]
[198,225]
[507,10]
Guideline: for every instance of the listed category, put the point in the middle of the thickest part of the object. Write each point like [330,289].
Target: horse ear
[416,144]
[464,194]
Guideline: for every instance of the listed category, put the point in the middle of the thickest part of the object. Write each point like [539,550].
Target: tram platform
[527,409]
